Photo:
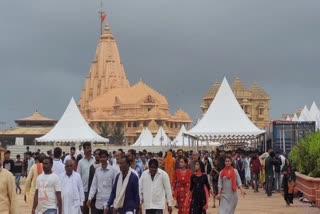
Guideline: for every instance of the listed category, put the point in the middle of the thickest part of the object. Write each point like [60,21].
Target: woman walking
[200,190]
[181,184]
[229,182]
[289,179]
[169,163]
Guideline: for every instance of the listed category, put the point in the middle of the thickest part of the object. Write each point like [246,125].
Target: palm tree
[104,130]
[117,134]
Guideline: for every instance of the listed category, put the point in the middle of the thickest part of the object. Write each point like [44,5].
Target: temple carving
[107,99]
[254,101]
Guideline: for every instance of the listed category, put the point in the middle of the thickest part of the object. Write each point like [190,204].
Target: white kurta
[72,193]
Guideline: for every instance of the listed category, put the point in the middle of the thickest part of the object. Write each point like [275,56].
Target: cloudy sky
[180,48]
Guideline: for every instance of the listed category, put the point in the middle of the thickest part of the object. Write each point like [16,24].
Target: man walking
[132,155]
[47,198]
[155,188]
[71,155]
[84,169]
[8,163]
[92,171]
[7,189]
[72,190]
[125,192]
[269,173]
[58,166]
[102,184]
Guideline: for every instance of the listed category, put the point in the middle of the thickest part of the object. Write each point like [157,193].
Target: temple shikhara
[107,99]
[254,101]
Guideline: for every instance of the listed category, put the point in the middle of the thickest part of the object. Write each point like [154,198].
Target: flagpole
[101,12]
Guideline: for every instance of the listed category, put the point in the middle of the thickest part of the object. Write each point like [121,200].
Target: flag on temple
[103,17]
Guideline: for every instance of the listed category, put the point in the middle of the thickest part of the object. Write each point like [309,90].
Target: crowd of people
[141,182]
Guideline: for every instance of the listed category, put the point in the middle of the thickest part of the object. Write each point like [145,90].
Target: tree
[117,136]
[104,130]
[305,155]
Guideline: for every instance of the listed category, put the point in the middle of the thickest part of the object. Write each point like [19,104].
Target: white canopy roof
[288,118]
[72,127]
[161,134]
[145,138]
[180,140]
[225,118]
[315,114]
[295,118]
[304,115]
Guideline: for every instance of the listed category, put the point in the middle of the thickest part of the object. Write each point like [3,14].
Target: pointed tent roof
[314,112]
[295,118]
[288,118]
[225,118]
[157,138]
[145,138]
[72,127]
[180,140]
[304,115]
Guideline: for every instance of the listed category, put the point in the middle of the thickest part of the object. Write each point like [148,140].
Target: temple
[254,101]
[27,130]
[108,100]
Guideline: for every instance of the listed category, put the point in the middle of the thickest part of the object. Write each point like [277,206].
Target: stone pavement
[253,203]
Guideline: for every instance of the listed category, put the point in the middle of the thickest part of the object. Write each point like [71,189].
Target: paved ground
[253,203]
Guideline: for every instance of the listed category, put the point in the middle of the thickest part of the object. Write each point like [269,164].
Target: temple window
[135,124]
[129,124]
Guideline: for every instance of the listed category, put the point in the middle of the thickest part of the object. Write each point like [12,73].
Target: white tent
[305,115]
[161,138]
[145,138]
[225,120]
[315,114]
[181,140]
[288,118]
[295,118]
[72,127]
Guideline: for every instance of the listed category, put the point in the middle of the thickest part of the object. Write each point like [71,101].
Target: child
[215,180]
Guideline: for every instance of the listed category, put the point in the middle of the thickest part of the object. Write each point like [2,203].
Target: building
[108,100]
[254,101]
[27,130]
[283,135]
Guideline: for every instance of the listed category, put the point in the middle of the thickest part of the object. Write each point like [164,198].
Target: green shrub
[305,155]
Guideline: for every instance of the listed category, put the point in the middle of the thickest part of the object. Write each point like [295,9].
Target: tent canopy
[72,128]
[225,119]
[181,140]
[161,138]
[145,138]
[305,115]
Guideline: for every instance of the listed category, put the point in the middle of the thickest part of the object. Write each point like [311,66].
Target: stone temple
[253,100]
[107,99]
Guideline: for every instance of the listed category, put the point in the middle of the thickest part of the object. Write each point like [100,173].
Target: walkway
[253,203]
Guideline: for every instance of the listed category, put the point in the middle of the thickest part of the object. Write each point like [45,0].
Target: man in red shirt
[255,167]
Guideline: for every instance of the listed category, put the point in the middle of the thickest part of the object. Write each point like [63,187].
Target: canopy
[72,127]
[161,138]
[295,118]
[315,114]
[225,119]
[145,138]
[305,115]
[181,140]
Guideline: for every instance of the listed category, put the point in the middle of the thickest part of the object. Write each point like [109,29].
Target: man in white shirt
[102,184]
[72,190]
[80,151]
[47,198]
[115,161]
[155,188]
[69,156]
[84,171]
[58,166]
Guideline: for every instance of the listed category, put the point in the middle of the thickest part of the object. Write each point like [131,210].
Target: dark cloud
[180,48]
